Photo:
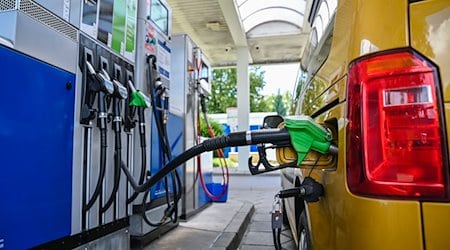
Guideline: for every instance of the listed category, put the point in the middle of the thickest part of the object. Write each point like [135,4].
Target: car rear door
[429,24]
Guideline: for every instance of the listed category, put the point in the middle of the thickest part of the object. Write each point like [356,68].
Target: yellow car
[378,73]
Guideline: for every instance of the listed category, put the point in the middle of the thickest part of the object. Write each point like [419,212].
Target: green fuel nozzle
[138,99]
[307,135]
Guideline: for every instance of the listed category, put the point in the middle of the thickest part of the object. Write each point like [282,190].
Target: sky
[279,76]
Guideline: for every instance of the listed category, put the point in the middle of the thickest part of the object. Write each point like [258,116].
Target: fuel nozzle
[203,103]
[106,85]
[161,94]
[120,93]
[119,90]
[307,135]
[92,88]
[141,102]
[310,190]
[138,99]
[106,88]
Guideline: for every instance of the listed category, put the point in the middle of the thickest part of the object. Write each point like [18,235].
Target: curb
[232,235]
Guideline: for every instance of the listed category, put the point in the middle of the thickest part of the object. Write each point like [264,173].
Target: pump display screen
[159,14]
[89,12]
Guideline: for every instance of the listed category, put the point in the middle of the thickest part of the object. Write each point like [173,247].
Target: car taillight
[396,142]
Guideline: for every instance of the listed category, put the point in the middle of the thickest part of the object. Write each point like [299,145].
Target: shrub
[216,127]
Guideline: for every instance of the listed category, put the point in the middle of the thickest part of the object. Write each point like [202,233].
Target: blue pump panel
[175,128]
[254,148]
[36,138]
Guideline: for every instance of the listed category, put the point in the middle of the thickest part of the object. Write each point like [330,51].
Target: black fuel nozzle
[106,89]
[151,59]
[203,102]
[92,74]
[120,93]
[158,86]
[310,190]
[106,85]
[153,80]
[162,94]
[92,88]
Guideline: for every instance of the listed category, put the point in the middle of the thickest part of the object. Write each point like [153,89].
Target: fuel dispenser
[155,210]
[37,115]
[88,115]
[189,68]
[105,124]
[75,81]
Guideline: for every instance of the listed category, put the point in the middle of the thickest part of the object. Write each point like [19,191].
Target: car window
[322,19]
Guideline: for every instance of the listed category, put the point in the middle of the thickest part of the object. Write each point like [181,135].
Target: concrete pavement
[243,222]
[260,190]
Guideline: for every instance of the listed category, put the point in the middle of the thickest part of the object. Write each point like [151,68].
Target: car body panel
[341,220]
[430,35]
[436,225]
[373,21]
[350,221]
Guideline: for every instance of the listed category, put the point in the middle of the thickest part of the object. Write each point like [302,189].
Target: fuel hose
[244,138]
[224,167]
[159,91]
[143,145]
[117,154]
[101,123]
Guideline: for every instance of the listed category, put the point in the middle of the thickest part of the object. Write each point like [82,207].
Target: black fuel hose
[117,127]
[141,176]
[172,209]
[273,136]
[176,180]
[101,124]
[144,215]
[143,145]
[101,174]
[117,160]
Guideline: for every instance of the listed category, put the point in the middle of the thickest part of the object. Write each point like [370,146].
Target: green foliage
[230,163]
[288,102]
[257,83]
[278,104]
[224,90]
[216,127]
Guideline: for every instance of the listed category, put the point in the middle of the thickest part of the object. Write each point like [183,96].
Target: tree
[257,83]
[288,102]
[224,90]
[278,104]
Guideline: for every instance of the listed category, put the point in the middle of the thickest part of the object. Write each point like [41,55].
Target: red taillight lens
[395,139]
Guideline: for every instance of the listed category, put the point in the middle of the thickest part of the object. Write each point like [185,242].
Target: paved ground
[243,222]
[259,190]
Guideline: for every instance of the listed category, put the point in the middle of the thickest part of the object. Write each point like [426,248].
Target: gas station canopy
[274,31]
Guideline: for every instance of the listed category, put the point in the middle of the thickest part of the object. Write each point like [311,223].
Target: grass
[230,163]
